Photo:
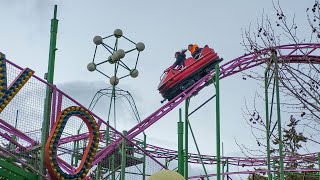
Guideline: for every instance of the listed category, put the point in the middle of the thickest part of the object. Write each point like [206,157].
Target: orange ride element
[193,48]
[173,81]
[51,147]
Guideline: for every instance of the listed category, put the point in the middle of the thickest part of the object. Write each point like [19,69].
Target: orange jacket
[194,47]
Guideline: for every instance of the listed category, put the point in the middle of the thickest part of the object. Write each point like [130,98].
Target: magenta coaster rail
[163,153]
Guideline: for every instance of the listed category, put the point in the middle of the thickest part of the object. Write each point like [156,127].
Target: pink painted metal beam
[162,153]
[15,132]
[258,171]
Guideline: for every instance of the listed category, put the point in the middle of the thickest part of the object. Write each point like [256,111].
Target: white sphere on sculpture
[140,46]
[114,80]
[117,33]
[110,60]
[98,40]
[121,53]
[134,73]
[115,57]
[91,66]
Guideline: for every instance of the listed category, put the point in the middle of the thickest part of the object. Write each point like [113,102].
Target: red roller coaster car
[175,81]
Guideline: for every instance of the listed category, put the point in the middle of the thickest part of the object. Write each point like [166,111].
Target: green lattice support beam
[10,171]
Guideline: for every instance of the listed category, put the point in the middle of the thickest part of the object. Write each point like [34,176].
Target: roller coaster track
[292,53]
[168,154]
[257,171]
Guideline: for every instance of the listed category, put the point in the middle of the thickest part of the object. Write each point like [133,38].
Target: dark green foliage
[292,142]
[302,176]
[257,177]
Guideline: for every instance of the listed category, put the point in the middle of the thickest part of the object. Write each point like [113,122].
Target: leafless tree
[299,83]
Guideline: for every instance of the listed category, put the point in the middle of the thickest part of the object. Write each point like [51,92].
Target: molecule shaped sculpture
[116,57]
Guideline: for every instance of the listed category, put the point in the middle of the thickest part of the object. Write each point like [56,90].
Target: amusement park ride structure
[116,58]
[103,151]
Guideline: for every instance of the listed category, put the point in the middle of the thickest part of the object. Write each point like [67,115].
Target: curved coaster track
[21,140]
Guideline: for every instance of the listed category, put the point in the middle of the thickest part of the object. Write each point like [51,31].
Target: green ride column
[217,74]
[180,145]
[48,99]
[186,139]
[275,59]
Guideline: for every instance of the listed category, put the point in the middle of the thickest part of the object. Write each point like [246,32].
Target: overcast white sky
[165,27]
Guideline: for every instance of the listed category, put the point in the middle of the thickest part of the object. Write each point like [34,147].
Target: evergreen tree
[292,142]
[257,177]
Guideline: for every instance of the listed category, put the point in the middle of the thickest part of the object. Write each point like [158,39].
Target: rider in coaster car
[180,58]
[194,50]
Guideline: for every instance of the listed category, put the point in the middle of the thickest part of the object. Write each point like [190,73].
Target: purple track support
[256,172]
[85,135]
[5,128]
[310,51]
[74,138]
[70,169]
[12,130]
[159,152]
[7,137]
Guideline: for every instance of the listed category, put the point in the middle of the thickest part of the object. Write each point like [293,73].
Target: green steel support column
[199,154]
[76,146]
[107,135]
[11,145]
[123,157]
[73,153]
[166,163]
[144,157]
[217,74]
[111,159]
[274,57]
[267,119]
[108,120]
[77,154]
[274,168]
[319,164]
[186,140]
[180,145]
[223,170]
[227,169]
[48,99]
[108,138]
[114,115]
[223,163]
[53,48]
[113,176]
[98,172]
